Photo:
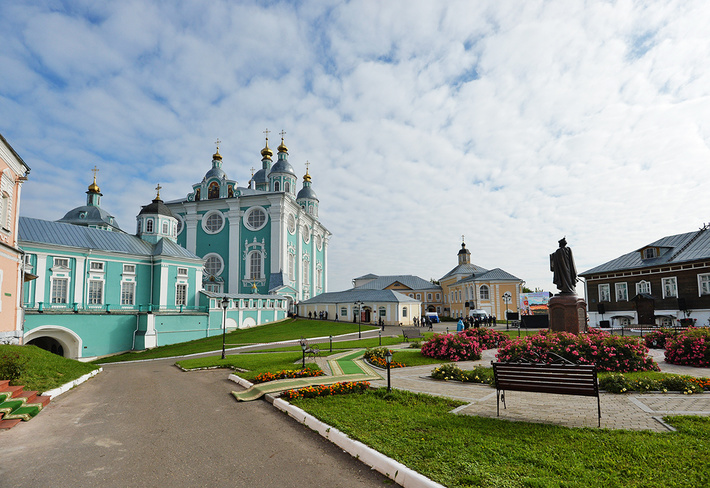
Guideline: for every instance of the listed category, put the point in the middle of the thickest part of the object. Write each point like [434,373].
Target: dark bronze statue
[564,273]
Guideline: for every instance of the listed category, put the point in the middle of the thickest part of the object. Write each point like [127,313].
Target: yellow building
[470,287]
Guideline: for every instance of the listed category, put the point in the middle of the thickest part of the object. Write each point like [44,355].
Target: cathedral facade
[265,238]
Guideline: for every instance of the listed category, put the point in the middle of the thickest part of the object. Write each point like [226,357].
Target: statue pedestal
[568,313]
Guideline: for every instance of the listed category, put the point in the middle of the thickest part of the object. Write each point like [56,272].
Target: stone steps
[17,405]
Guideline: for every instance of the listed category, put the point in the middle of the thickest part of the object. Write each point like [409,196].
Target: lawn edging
[396,471]
[68,386]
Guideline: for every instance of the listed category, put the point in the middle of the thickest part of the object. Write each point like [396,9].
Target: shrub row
[691,348]
[618,383]
[451,372]
[287,373]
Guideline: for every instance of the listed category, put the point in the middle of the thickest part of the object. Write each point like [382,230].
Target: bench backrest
[547,378]
[411,333]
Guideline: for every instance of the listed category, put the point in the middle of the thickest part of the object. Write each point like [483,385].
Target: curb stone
[68,386]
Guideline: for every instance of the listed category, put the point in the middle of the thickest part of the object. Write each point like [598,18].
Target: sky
[510,123]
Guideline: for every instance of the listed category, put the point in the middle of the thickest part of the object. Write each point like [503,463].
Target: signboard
[534,303]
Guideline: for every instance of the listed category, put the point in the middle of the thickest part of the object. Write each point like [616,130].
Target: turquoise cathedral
[265,238]
[92,289]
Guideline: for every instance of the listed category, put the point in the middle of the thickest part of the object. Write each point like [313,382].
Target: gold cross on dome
[462,238]
[307,164]
[283,133]
[267,132]
[95,170]
[217,143]
[252,171]
[158,190]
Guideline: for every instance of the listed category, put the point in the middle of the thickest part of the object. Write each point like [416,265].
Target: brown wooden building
[660,283]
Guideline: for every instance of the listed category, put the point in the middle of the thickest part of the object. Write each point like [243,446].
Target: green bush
[451,372]
[12,366]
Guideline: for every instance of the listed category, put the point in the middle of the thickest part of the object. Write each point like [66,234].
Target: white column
[79,280]
[41,271]
[277,234]
[164,284]
[299,260]
[235,217]
[325,263]
[191,221]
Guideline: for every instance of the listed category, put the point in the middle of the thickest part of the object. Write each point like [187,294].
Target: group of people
[322,315]
[423,322]
[475,322]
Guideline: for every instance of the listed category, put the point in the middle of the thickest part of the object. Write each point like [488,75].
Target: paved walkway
[634,411]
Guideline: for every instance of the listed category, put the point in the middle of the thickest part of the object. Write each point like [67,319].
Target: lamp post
[359,305]
[225,304]
[303,348]
[506,298]
[331,343]
[388,358]
[380,331]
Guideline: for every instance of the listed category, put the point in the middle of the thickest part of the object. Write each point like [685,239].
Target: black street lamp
[388,358]
[225,304]
[331,343]
[303,348]
[359,305]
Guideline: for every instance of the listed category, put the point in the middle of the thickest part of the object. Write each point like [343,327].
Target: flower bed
[657,339]
[342,388]
[287,373]
[609,353]
[451,372]
[453,347]
[618,383]
[486,338]
[691,348]
[376,356]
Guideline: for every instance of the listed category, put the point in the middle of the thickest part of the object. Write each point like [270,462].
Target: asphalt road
[151,425]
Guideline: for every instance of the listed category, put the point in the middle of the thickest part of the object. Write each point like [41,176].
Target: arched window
[166,228]
[139,227]
[287,187]
[291,266]
[276,186]
[255,265]
[306,274]
[483,291]
[213,191]
[149,225]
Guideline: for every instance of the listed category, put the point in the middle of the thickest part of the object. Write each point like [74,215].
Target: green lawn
[43,370]
[280,331]
[254,363]
[465,451]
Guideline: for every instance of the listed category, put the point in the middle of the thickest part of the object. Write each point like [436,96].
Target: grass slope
[43,370]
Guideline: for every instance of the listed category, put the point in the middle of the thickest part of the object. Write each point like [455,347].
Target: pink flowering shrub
[487,338]
[453,347]
[609,353]
[690,348]
[657,339]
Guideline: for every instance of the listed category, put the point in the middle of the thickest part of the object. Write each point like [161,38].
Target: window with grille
[96,266]
[181,294]
[255,265]
[670,288]
[704,284]
[149,226]
[214,222]
[128,293]
[484,293]
[96,289]
[61,262]
[60,287]
[622,292]
[604,293]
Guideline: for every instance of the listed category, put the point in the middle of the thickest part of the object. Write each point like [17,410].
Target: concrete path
[151,425]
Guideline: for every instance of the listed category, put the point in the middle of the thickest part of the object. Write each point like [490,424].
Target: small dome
[94,188]
[283,166]
[260,176]
[217,156]
[156,208]
[267,152]
[463,249]
[215,172]
[282,147]
[87,215]
[306,192]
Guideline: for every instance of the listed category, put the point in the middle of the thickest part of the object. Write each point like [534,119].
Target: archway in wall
[366,314]
[56,339]
[48,344]
[248,322]
[431,309]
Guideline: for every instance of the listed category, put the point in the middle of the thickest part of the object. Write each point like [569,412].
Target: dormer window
[649,253]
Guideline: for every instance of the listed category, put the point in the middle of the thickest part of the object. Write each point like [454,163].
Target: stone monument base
[568,313]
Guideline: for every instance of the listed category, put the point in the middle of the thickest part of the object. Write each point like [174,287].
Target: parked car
[433,316]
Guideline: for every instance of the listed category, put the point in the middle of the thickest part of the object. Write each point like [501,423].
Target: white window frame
[166,227]
[96,266]
[292,266]
[306,271]
[60,263]
[604,292]
[149,226]
[248,271]
[292,225]
[95,296]
[205,219]
[641,284]
[181,300]
[220,261]
[487,295]
[306,233]
[404,312]
[673,281]
[53,296]
[129,269]
[703,284]
[621,286]
[128,297]
[248,214]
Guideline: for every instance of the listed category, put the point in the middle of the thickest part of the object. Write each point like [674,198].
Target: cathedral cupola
[91,214]
[156,221]
[282,177]
[464,254]
[307,198]
[215,184]
[261,177]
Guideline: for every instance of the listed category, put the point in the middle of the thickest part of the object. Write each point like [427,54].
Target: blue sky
[512,123]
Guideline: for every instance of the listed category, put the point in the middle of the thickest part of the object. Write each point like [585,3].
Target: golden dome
[267,152]
[282,147]
[306,177]
[94,188]
[217,155]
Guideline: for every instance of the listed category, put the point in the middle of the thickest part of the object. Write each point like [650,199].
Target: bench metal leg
[500,395]
[599,412]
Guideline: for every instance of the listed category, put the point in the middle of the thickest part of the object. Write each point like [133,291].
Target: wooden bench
[411,333]
[561,379]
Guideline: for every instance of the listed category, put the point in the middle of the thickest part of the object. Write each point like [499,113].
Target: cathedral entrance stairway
[17,405]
